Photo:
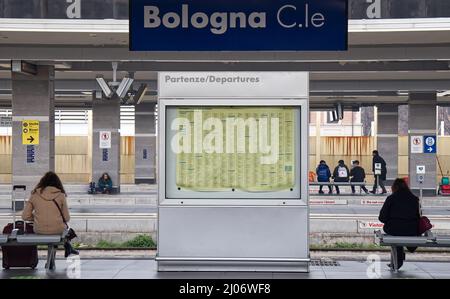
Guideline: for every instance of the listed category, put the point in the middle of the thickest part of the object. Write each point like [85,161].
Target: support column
[145,144]
[387,138]
[422,122]
[33,100]
[106,118]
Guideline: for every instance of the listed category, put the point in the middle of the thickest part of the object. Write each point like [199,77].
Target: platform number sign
[429,144]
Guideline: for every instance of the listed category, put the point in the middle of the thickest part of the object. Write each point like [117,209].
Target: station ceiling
[386,59]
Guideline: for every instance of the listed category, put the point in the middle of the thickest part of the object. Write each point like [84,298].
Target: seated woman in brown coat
[400,215]
[47,206]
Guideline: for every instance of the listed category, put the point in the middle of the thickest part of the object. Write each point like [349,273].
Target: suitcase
[19,256]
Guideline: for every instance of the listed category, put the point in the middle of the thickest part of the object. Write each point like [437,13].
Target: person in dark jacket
[340,174]
[381,178]
[400,215]
[105,184]
[323,175]
[358,175]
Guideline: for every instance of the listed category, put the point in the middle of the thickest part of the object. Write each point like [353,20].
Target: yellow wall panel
[5,164]
[71,145]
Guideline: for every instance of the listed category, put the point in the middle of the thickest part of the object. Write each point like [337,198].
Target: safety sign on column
[30,132]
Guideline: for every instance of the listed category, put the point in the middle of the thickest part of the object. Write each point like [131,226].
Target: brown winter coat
[43,212]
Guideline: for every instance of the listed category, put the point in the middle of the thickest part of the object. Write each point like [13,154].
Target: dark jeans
[329,188]
[337,187]
[381,183]
[400,256]
[362,187]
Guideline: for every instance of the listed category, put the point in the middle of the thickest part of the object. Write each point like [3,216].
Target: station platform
[146,269]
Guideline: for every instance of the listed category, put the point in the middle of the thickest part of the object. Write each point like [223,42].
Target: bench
[356,184]
[34,239]
[428,240]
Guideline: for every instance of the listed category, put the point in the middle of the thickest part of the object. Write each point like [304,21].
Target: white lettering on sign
[370,224]
[374,9]
[317,20]
[74,9]
[220,22]
[105,139]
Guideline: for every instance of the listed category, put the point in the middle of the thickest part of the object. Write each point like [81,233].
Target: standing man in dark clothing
[400,215]
[340,174]
[358,176]
[382,177]
[323,175]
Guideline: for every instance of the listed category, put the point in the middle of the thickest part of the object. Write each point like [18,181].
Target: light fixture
[443,93]
[104,86]
[332,117]
[124,87]
[23,67]
[339,109]
[140,93]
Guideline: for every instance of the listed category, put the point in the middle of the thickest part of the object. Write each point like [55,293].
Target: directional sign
[416,145]
[429,145]
[30,132]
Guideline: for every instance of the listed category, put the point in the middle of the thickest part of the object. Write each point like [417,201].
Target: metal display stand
[232,230]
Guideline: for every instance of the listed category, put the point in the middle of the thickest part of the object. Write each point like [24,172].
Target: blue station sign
[238,25]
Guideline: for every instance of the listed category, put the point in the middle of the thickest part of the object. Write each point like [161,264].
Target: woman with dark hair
[400,215]
[47,207]
[105,184]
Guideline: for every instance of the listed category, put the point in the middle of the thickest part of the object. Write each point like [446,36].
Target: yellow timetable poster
[235,148]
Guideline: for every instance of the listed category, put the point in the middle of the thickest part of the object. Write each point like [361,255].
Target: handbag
[424,224]
[70,233]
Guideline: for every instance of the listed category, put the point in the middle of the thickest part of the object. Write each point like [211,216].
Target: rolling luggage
[19,256]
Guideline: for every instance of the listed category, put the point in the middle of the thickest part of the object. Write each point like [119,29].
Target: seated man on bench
[400,215]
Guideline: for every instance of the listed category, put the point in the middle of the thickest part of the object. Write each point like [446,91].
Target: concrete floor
[146,269]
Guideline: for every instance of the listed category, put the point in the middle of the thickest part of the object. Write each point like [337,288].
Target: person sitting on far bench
[358,176]
[340,174]
[105,184]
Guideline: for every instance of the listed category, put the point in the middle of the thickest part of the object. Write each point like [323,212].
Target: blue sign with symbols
[105,156]
[144,154]
[31,156]
[237,25]
[429,144]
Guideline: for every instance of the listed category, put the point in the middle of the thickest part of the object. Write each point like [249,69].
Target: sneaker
[321,192]
[372,192]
